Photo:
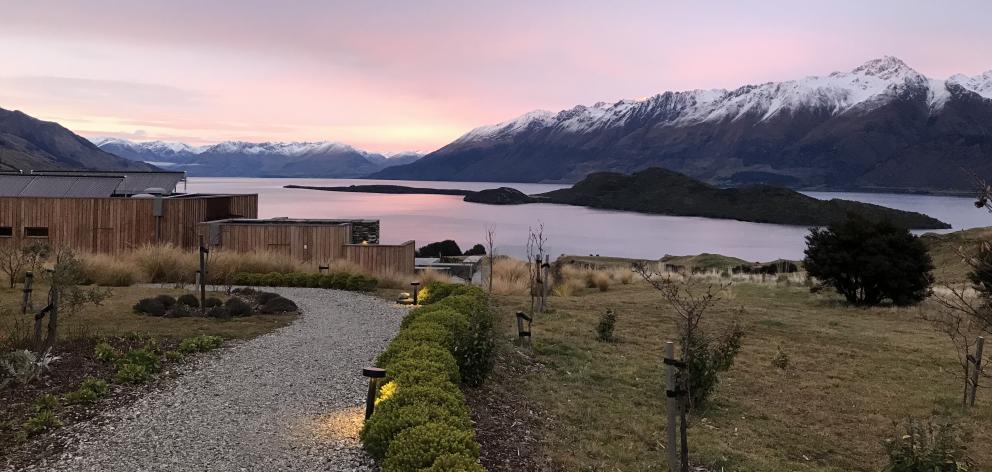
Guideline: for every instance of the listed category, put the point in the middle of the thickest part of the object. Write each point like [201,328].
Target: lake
[569,229]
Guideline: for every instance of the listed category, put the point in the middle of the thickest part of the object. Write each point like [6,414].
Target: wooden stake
[203,278]
[28,284]
[671,407]
[976,369]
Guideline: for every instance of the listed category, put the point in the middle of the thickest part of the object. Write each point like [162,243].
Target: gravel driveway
[289,400]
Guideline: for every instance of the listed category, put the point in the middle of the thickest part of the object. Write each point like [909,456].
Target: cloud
[100,91]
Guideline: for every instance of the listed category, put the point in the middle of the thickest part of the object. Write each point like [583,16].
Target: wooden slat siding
[324,243]
[112,225]
[383,258]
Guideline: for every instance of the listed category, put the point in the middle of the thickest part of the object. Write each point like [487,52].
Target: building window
[36,232]
[6,232]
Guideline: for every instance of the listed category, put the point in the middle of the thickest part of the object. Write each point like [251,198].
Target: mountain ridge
[326,159]
[27,143]
[839,131]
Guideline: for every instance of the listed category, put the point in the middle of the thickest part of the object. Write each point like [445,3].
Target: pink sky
[392,76]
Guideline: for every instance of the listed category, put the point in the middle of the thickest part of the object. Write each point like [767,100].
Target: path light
[416,291]
[374,374]
[521,332]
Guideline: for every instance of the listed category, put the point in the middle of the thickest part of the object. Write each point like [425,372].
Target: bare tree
[958,315]
[491,249]
[65,296]
[535,255]
[12,262]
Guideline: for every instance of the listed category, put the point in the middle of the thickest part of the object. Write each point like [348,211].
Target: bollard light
[374,374]
[416,291]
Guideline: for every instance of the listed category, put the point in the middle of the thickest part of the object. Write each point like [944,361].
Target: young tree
[535,256]
[868,262]
[703,358]
[491,244]
[12,263]
[65,297]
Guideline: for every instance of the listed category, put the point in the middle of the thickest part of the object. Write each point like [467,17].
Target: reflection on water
[570,230]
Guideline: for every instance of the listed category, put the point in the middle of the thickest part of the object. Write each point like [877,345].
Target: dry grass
[163,263]
[105,270]
[510,276]
[115,318]
[852,372]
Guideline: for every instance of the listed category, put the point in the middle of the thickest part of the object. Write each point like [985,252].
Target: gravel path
[289,400]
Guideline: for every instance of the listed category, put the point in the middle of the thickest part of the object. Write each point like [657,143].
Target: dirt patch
[76,362]
[507,425]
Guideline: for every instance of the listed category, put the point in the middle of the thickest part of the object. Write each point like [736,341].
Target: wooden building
[112,224]
[319,242]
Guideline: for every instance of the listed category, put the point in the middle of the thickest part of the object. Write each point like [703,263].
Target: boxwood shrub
[417,448]
[338,281]
[421,421]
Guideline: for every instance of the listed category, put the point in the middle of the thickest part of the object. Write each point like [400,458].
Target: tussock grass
[510,276]
[161,263]
[105,270]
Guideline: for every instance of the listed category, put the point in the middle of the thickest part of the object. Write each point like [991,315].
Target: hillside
[880,126]
[665,192]
[28,143]
[243,159]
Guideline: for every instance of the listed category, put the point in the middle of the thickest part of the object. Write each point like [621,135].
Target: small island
[664,192]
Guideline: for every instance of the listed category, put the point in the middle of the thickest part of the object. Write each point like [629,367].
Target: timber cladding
[113,225]
[383,258]
[312,243]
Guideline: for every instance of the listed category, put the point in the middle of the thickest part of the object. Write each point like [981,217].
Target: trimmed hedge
[421,421]
[338,281]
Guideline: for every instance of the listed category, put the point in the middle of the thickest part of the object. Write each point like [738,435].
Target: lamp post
[374,374]
[416,292]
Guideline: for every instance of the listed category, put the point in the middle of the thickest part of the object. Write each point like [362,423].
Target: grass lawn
[115,318]
[852,372]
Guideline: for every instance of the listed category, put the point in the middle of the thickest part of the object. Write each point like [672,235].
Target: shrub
[89,391]
[263,297]
[105,352]
[219,312]
[418,447]
[44,420]
[132,373]
[428,353]
[237,307]
[428,333]
[201,343]
[927,447]
[181,310]
[446,367]
[173,356]
[143,357]
[604,329]
[868,262]
[23,367]
[392,418]
[278,305]
[46,402]
[456,463]
[167,300]
[188,299]
[435,292]
[601,281]
[211,302]
[150,306]
[781,360]
[707,359]
[477,250]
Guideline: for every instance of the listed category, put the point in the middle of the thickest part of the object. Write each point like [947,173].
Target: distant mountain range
[28,143]
[243,159]
[881,126]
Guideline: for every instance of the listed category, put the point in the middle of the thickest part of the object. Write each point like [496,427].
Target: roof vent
[155,191]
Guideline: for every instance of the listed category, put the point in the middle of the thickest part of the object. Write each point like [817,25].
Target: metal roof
[18,185]
[132,182]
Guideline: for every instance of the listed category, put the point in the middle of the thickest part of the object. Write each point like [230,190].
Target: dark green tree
[477,250]
[869,262]
[440,249]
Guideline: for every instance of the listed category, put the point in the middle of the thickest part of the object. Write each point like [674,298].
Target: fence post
[976,368]
[671,407]
[203,277]
[28,284]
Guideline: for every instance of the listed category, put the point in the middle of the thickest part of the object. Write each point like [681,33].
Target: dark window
[6,231]
[36,232]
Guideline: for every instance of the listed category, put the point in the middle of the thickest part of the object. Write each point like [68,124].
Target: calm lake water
[569,229]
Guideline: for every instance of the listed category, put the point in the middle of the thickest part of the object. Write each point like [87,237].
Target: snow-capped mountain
[854,129]
[268,159]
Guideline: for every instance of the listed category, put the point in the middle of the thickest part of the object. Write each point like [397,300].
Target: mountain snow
[288,149]
[864,88]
